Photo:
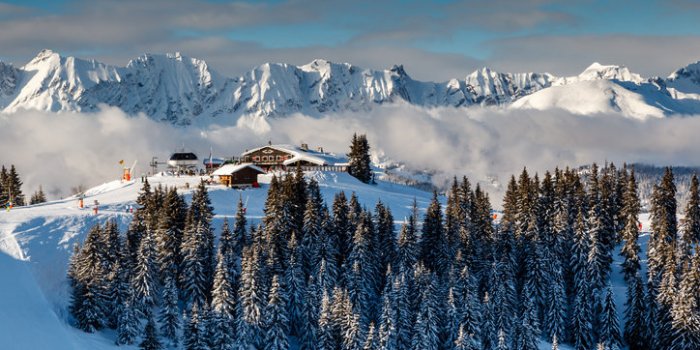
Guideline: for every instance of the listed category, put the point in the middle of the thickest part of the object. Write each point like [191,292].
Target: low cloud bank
[61,151]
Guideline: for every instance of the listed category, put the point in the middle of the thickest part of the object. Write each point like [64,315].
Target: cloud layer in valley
[61,151]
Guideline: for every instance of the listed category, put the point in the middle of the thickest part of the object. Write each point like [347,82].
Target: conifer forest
[312,275]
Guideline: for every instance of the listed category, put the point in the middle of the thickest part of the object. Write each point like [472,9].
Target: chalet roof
[300,154]
[183,156]
[229,169]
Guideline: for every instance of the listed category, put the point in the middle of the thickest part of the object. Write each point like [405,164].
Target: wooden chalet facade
[286,157]
[239,175]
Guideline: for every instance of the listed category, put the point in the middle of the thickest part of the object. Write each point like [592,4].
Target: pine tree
[195,332]
[239,236]
[145,279]
[609,329]
[342,233]
[294,285]
[198,249]
[13,187]
[359,158]
[408,249]
[326,337]
[87,276]
[169,316]
[250,321]
[276,318]
[150,338]
[465,341]
[684,312]
[635,310]
[528,328]
[630,233]
[310,315]
[502,344]
[425,331]
[555,318]
[223,294]
[581,328]
[37,197]
[432,243]
[168,237]
[388,335]
[362,270]
[691,221]
[194,263]
[371,341]
[128,326]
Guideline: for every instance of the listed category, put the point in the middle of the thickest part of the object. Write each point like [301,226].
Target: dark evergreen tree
[408,250]
[37,197]
[691,221]
[362,272]
[432,243]
[168,237]
[313,230]
[466,341]
[250,322]
[359,159]
[528,327]
[87,277]
[630,233]
[327,339]
[239,236]
[277,323]
[635,310]
[387,337]
[581,327]
[128,326]
[13,187]
[426,329]
[194,262]
[609,329]
[371,341]
[295,288]
[145,276]
[555,318]
[684,312]
[195,331]
[342,232]
[150,337]
[169,316]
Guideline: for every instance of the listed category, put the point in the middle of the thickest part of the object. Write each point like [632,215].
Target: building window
[256,158]
[264,159]
[279,158]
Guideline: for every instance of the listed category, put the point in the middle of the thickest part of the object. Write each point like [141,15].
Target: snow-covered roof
[229,169]
[300,154]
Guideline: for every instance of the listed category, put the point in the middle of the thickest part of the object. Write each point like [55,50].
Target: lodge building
[286,157]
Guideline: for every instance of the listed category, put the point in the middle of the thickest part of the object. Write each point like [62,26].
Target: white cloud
[64,150]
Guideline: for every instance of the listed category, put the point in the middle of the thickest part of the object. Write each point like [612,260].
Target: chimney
[319,149]
[305,146]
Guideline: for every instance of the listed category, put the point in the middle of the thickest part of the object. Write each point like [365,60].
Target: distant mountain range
[186,91]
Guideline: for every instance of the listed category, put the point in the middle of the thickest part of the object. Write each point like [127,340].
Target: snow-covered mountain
[184,91]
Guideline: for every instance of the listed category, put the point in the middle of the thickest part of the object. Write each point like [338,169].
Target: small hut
[183,161]
[239,175]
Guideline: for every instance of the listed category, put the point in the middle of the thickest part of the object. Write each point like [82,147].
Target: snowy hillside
[36,242]
[183,91]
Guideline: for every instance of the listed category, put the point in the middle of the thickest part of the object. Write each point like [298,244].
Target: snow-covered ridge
[183,90]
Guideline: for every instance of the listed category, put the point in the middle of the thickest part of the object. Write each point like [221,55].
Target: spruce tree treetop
[359,159]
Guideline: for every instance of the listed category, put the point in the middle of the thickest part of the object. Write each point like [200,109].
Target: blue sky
[434,40]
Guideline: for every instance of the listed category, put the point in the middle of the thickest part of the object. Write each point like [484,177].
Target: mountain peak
[43,55]
[597,71]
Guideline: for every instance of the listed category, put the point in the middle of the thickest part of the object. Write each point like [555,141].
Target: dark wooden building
[283,157]
[239,175]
